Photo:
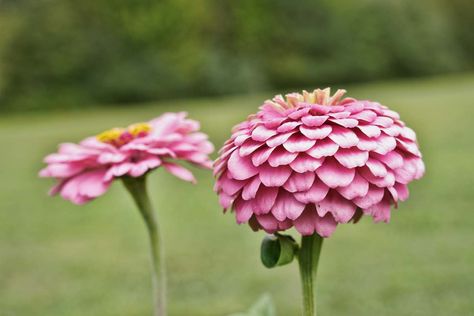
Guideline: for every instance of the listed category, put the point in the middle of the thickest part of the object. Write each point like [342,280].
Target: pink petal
[92,183]
[409,146]
[261,155]
[314,121]
[380,211]
[141,167]
[406,173]
[351,158]
[376,167]
[180,172]
[394,195]
[373,196]
[420,168]
[402,191]
[320,109]
[274,122]
[240,168]
[137,170]
[339,115]
[85,187]
[243,210]
[198,158]
[383,121]
[393,130]
[248,147]
[408,133]
[230,186]
[261,133]
[392,159]
[316,193]
[345,122]
[110,157]
[367,144]
[62,170]
[316,132]
[298,143]
[265,199]
[268,222]
[382,182]
[323,148]
[352,106]
[250,189]
[304,163]
[335,175]
[296,115]
[306,222]
[118,170]
[345,138]
[274,176]
[281,157]
[391,114]
[286,224]
[299,182]
[279,139]
[288,126]
[286,206]
[70,190]
[341,209]
[225,200]
[366,116]
[326,225]
[370,130]
[239,140]
[385,144]
[357,188]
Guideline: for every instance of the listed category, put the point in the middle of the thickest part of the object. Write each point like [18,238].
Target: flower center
[120,136]
[318,96]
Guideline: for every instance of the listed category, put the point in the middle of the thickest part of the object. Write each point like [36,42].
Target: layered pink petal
[240,168]
[312,160]
[274,176]
[180,172]
[334,174]
[341,209]
[85,170]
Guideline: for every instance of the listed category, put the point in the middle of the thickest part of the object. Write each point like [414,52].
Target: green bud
[277,250]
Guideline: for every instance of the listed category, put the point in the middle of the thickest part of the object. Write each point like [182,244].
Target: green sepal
[277,250]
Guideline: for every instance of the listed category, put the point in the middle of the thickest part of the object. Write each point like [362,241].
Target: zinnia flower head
[313,160]
[86,170]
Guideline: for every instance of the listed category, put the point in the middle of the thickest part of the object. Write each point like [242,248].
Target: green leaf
[263,307]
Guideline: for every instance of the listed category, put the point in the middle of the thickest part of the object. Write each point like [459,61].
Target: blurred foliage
[59,53]
[263,307]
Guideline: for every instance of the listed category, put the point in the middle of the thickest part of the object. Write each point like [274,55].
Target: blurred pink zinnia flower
[85,171]
[312,161]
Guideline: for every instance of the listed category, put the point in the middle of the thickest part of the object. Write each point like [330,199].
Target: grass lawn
[59,259]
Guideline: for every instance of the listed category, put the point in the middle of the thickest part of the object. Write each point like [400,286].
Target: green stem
[137,188]
[308,257]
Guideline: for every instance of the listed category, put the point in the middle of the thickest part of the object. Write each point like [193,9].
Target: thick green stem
[137,188]
[308,258]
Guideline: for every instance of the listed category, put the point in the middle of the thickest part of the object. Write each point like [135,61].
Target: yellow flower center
[139,129]
[120,136]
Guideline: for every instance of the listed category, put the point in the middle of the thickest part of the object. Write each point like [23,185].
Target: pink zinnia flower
[86,170]
[312,161]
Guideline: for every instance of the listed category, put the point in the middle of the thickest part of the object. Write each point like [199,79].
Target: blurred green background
[69,69]
[59,259]
[68,53]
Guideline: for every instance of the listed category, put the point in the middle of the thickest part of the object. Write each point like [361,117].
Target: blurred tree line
[58,53]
